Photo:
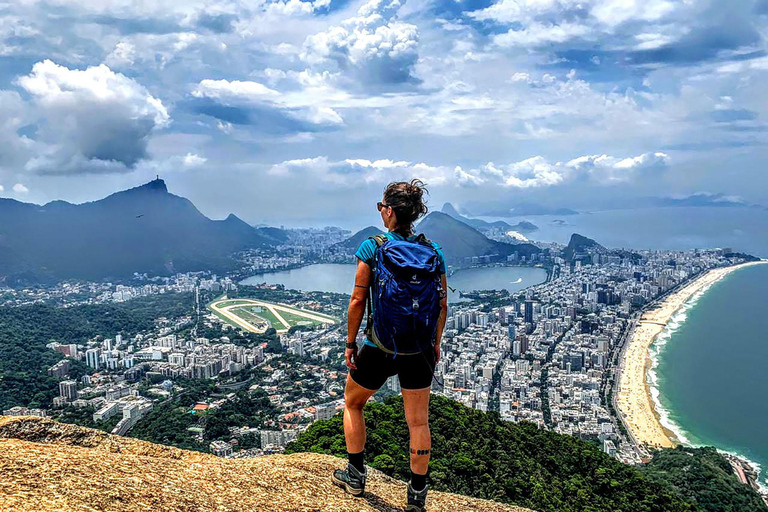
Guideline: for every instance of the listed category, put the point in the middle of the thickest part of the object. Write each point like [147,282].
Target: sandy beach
[634,398]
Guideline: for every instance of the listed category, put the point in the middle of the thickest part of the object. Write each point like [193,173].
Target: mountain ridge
[481,225]
[48,466]
[461,242]
[142,229]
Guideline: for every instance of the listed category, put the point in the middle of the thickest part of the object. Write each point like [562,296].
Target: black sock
[418,482]
[357,460]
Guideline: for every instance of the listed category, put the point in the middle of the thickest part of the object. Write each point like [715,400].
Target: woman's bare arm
[441,320]
[356,310]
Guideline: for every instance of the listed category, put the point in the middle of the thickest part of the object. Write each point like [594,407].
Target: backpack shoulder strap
[380,239]
[421,237]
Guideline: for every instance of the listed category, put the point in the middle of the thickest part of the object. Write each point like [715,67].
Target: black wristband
[352,345]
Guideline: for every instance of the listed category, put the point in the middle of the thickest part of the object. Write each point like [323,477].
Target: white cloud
[535,172]
[606,169]
[539,22]
[532,172]
[255,94]
[234,90]
[20,189]
[124,54]
[352,172]
[609,13]
[466,179]
[615,12]
[93,120]
[374,46]
[600,169]
[518,11]
[2,189]
[538,34]
[651,41]
[193,160]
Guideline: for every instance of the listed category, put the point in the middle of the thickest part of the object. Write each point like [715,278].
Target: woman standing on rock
[401,279]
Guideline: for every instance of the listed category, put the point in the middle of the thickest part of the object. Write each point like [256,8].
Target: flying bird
[139,216]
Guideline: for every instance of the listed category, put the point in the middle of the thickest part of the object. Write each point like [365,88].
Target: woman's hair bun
[407,200]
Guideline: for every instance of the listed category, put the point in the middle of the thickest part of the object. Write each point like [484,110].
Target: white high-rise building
[68,390]
[92,357]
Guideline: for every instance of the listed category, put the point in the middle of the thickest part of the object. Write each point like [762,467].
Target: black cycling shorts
[374,367]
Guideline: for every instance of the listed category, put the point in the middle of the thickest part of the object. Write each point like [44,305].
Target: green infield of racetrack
[296,319]
[264,315]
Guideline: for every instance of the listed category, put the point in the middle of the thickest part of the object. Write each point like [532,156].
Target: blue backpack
[405,293]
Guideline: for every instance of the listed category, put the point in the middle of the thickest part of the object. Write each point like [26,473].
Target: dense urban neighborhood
[547,354]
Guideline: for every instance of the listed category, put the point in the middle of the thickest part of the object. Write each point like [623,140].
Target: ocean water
[709,374]
[672,228]
[340,278]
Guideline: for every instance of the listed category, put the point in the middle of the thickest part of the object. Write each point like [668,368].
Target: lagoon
[339,278]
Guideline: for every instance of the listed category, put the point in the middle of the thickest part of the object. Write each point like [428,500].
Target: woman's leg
[355,397]
[416,403]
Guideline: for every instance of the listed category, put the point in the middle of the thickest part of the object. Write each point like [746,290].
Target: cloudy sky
[296,111]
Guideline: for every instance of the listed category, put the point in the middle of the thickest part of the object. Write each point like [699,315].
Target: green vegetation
[299,320]
[169,422]
[478,454]
[237,336]
[244,409]
[706,478]
[24,332]
[264,315]
[83,416]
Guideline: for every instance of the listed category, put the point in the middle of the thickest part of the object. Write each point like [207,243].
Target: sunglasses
[381,205]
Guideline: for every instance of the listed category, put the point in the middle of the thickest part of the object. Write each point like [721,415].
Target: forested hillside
[478,454]
[703,476]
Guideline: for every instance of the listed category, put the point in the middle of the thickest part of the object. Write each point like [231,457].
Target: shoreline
[635,397]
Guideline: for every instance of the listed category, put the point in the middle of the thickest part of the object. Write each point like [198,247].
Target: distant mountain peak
[62,241]
[154,188]
[578,244]
[353,242]
[156,185]
[449,209]
[461,241]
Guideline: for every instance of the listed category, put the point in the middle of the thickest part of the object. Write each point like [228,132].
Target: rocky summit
[51,466]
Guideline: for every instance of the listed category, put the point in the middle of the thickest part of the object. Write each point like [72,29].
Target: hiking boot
[350,479]
[416,499]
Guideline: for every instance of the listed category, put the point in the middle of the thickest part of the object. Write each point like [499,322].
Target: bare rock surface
[50,466]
